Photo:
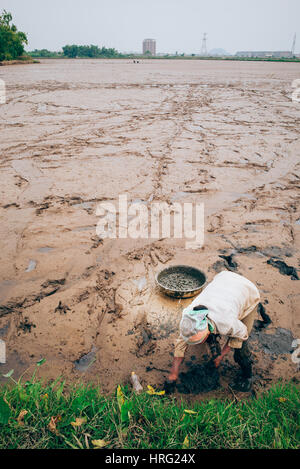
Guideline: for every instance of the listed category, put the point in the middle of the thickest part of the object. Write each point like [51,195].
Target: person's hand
[172,377]
[217,361]
[169,386]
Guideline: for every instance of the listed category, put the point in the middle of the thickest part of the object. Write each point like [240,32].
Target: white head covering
[193,322]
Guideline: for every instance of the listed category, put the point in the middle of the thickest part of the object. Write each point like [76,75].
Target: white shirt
[229,298]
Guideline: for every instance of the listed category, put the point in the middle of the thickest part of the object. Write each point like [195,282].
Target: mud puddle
[278,343]
[45,250]
[31,266]
[86,361]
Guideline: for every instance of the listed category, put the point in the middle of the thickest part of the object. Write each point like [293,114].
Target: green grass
[146,421]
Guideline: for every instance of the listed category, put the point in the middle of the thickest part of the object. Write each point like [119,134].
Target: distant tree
[109,52]
[93,51]
[88,51]
[11,40]
[71,51]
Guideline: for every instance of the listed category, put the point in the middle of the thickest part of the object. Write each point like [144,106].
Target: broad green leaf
[125,411]
[4,412]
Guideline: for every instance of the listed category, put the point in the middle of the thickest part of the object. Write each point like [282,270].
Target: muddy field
[78,132]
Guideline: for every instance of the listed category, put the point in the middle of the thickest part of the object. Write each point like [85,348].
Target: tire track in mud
[181,112]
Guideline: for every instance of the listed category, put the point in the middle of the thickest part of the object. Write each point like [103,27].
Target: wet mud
[230,264]
[266,320]
[284,269]
[278,343]
[201,378]
[222,134]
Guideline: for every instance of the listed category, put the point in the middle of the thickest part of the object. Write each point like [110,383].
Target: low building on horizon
[265,54]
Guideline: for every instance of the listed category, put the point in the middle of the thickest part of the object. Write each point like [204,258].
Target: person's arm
[225,351]
[174,373]
[179,353]
[238,333]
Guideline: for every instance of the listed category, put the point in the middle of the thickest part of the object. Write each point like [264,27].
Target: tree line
[91,51]
[74,51]
[12,41]
[45,53]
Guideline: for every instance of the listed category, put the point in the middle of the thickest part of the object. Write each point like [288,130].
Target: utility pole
[204,45]
[294,45]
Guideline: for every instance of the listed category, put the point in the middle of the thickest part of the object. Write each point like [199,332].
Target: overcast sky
[177,25]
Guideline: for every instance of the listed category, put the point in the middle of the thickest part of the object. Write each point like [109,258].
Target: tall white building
[149,45]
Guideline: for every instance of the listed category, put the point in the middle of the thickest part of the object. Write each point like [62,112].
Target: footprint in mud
[20,181]
[26,326]
[227,263]
[62,309]
[96,242]
[284,269]
[144,344]
[216,223]
[152,255]
[42,207]
[50,287]
[145,341]
[199,379]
